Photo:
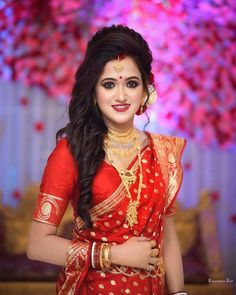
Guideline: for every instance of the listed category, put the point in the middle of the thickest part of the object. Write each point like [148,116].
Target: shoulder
[62,149]
[61,156]
[167,142]
[60,167]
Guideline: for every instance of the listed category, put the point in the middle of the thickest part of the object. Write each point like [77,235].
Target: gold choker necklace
[122,138]
[122,144]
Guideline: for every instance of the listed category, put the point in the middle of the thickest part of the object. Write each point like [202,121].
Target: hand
[138,252]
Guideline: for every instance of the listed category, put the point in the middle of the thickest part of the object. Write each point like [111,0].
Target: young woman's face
[119,93]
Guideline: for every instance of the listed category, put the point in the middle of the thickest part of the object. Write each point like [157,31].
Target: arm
[172,258]
[45,246]
[56,190]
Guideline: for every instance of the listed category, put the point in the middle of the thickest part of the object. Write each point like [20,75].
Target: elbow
[30,251]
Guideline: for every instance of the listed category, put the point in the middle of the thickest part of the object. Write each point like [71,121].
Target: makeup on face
[121,107]
[111,82]
[119,93]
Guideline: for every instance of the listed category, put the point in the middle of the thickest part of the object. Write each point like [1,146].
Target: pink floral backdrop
[194,49]
[193,43]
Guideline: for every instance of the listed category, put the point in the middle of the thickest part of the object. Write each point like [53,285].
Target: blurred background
[194,50]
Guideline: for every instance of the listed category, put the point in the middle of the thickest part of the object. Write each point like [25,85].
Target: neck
[120,129]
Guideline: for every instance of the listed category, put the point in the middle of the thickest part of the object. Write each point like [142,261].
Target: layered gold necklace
[124,144]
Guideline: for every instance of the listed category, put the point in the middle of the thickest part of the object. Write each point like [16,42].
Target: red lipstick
[121,107]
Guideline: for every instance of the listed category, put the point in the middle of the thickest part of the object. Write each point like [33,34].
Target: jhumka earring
[149,98]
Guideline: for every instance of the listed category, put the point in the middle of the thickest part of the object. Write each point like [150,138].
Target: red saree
[162,176]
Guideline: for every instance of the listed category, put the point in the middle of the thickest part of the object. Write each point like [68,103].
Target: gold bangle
[106,256]
[101,256]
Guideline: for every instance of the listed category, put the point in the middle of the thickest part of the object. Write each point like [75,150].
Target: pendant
[128,177]
[132,213]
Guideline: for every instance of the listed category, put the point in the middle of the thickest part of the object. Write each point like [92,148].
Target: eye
[108,85]
[132,84]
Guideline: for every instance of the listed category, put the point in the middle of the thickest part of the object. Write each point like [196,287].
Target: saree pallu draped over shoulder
[162,176]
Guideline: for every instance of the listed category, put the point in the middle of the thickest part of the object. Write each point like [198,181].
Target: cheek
[138,95]
[102,96]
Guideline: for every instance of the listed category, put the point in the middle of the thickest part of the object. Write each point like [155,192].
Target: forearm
[44,245]
[50,249]
[173,260]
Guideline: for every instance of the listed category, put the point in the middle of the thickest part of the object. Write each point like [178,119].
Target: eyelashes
[129,84]
[108,85]
[132,84]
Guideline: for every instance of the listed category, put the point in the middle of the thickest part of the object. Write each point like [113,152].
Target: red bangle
[95,255]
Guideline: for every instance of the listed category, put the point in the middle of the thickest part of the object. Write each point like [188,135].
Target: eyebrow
[113,79]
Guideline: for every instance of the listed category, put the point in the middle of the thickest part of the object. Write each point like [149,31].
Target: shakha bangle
[92,255]
[95,255]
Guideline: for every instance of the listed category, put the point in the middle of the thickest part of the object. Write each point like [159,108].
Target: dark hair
[86,129]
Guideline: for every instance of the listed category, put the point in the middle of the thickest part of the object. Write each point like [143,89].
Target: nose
[121,95]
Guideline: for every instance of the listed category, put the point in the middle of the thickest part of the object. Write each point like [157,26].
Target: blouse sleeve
[175,172]
[57,186]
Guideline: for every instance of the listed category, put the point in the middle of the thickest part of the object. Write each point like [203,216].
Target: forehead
[129,68]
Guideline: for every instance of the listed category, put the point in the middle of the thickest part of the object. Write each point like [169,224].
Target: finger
[141,239]
[153,244]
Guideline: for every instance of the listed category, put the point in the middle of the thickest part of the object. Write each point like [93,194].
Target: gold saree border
[169,150]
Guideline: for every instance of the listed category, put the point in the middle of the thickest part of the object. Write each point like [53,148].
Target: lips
[121,107]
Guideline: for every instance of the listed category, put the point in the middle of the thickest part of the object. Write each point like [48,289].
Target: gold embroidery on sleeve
[51,196]
[46,207]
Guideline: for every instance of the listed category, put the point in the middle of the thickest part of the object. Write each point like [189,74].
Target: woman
[122,182]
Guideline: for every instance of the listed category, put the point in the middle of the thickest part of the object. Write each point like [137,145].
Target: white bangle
[92,255]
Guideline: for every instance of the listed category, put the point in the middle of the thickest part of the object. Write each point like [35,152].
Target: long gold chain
[128,177]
